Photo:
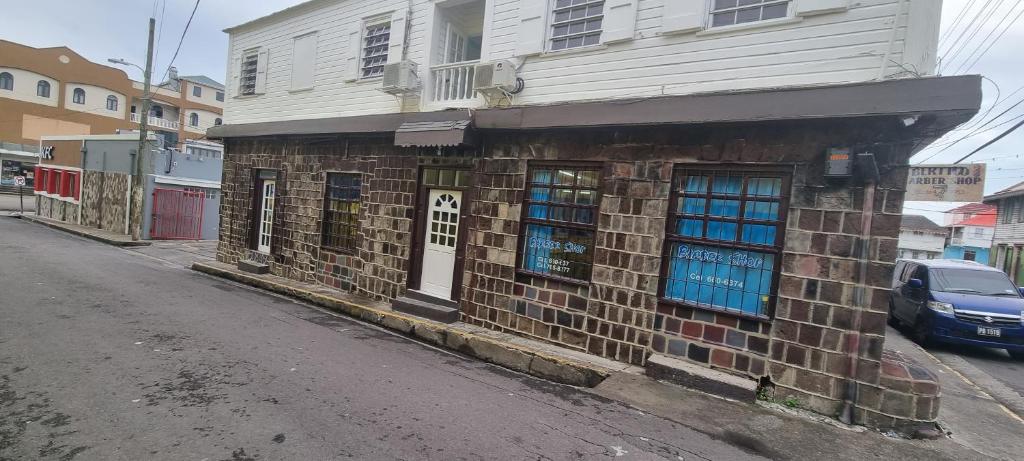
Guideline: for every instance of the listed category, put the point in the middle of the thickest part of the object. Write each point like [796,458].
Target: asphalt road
[994,362]
[109,355]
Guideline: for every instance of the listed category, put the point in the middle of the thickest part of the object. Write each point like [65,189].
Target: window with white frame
[247,73]
[730,12]
[197,91]
[376,41]
[576,23]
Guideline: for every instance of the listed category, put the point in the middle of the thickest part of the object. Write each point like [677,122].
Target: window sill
[737,314]
[579,49]
[556,278]
[749,26]
[301,90]
[247,96]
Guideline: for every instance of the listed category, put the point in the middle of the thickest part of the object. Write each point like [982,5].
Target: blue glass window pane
[718,230]
[723,278]
[558,251]
[732,185]
[765,187]
[726,208]
[690,228]
[539,211]
[540,194]
[584,216]
[768,211]
[758,234]
[563,196]
[565,177]
[695,184]
[542,176]
[690,205]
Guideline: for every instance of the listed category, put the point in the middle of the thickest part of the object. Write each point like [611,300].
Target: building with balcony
[635,179]
[57,92]
[970,237]
[920,238]
[1008,240]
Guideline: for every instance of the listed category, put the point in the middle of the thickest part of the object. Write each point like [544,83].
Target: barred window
[341,211]
[560,222]
[724,239]
[247,74]
[730,12]
[376,41]
[576,23]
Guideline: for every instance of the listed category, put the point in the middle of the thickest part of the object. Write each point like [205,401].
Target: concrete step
[421,296]
[701,378]
[253,267]
[425,309]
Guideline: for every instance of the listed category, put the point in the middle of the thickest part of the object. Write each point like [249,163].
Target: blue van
[958,302]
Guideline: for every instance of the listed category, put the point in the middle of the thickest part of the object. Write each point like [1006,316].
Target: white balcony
[154,122]
[452,82]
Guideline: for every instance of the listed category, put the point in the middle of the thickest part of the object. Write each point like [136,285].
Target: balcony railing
[452,82]
[157,122]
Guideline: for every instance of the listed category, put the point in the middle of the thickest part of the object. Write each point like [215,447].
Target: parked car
[958,302]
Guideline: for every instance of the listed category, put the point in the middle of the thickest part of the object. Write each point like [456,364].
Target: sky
[101,29]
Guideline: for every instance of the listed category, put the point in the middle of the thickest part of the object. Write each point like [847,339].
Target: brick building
[720,243]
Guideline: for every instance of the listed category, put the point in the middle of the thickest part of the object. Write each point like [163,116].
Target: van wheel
[893,321]
[1016,355]
[922,333]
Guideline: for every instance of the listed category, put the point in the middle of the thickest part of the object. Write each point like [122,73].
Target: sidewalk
[110,238]
[775,433]
[969,414]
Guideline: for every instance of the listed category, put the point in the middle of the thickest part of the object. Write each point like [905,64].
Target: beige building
[57,92]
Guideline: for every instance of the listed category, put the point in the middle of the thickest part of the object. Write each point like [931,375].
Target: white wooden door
[439,242]
[266,216]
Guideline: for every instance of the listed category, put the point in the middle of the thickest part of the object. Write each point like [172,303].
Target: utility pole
[138,185]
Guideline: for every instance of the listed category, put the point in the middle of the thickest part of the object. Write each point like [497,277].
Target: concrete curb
[485,345]
[82,233]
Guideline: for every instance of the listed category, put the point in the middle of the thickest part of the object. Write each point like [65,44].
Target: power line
[181,40]
[1001,136]
[1021,101]
[957,45]
[983,53]
[984,40]
[959,18]
[160,31]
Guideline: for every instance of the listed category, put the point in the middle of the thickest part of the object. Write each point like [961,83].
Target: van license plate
[985,331]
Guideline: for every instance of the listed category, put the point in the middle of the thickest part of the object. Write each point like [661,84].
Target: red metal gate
[177,214]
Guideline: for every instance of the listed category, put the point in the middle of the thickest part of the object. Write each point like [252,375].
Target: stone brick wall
[803,346]
[60,210]
[112,201]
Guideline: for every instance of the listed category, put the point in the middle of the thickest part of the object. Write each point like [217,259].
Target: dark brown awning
[430,134]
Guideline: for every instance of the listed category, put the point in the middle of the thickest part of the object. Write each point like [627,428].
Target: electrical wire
[956,23]
[983,53]
[1003,18]
[159,32]
[181,40]
[993,141]
[1021,101]
[957,45]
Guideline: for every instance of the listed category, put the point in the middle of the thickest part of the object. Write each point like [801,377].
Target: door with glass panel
[266,216]
[439,242]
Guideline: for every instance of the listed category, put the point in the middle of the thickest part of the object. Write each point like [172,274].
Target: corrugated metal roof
[434,134]
[918,222]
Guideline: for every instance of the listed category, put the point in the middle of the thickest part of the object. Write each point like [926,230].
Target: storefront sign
[558,251]
[724,278]
[946,183]
[47,153]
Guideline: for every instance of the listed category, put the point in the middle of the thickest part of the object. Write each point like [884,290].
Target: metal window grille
[247,74]
[723,246]
[560,221]
[341,212]
[576,23]
[730,12]
[376,41]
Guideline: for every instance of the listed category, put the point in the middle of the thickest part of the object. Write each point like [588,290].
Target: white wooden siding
[1013,231]
[866,42]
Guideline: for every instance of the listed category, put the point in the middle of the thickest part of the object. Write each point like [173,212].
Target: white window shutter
[531,35]
[354,49]
[679,16]
[396,43]
[813,7]
[619,21]
[261,71]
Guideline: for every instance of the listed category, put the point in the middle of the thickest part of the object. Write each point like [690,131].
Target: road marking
[970,382]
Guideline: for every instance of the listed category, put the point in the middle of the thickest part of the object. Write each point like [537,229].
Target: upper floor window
[43,89]
[78,96]
[247,79]
[112,103]
[577,23]
[724,241]
[156,111]
[220,96]
[193,119]
[6,81]
[730,12]
[197,91]
[560,221]
[376,41]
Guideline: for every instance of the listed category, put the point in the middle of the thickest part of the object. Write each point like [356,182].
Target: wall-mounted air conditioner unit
[494,76]
[400,78]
